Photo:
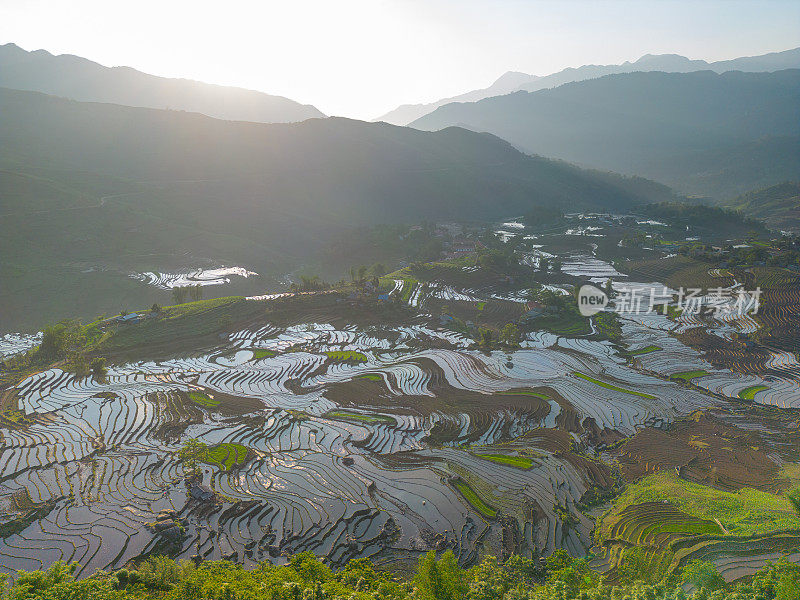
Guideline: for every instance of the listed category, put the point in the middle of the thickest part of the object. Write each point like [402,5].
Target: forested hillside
[702,133]
[107,190]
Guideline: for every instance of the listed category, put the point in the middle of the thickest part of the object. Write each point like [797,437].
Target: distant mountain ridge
[700,132]
[81,79]
[90,192]
[513,81]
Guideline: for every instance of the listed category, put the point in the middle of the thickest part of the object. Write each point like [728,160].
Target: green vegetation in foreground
[741,513]
[472,497]
[687,376]
[203,400]
[346,356]
[749,393]
[520,462]
[305,577]
[261,353]
[370,419]
[225,456]
[645,350]
[611,386]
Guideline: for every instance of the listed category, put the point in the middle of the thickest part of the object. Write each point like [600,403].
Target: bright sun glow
[361,58]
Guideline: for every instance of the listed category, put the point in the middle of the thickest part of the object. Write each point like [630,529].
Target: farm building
[203,493]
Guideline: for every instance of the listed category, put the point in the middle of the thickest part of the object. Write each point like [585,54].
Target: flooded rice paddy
[218,276]
[353,437]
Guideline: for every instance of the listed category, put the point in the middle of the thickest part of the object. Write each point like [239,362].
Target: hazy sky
[361,58]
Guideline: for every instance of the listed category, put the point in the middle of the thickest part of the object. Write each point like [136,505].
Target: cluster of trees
[307,578]
[66,341]
[364,272]
[499,260]
[182,292]
[191,454]
[309,283]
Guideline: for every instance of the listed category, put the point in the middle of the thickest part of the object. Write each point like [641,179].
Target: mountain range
[513,81]
[81,79]
[92,192]
[700,132]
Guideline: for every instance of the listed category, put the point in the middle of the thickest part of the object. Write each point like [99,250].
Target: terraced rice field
[355,441]
[298,464]
[219,276]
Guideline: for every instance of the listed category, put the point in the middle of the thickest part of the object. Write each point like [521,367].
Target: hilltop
[82,79]
[514,81]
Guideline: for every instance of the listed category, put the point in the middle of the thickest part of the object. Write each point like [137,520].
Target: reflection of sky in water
[14,343]
[166,281]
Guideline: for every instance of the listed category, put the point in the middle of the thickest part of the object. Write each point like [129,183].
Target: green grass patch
[346,356]
[475,500]
[645,350]
[687,376]
[520,462]
[203,400]
[481,305]
[360,417]
[611,386]
[371,377]
[749,393]
[261,353]
[746,512]
[226,456]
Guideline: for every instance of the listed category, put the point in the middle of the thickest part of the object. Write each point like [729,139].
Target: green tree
[98,368]
[703,575]
[510,335]
[191,453]
[440,580]
[377,269]
[609,288]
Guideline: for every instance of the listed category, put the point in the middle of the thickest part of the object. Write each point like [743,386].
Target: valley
[388,416]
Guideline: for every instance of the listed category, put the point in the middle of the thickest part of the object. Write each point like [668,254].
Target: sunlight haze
[359,58]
